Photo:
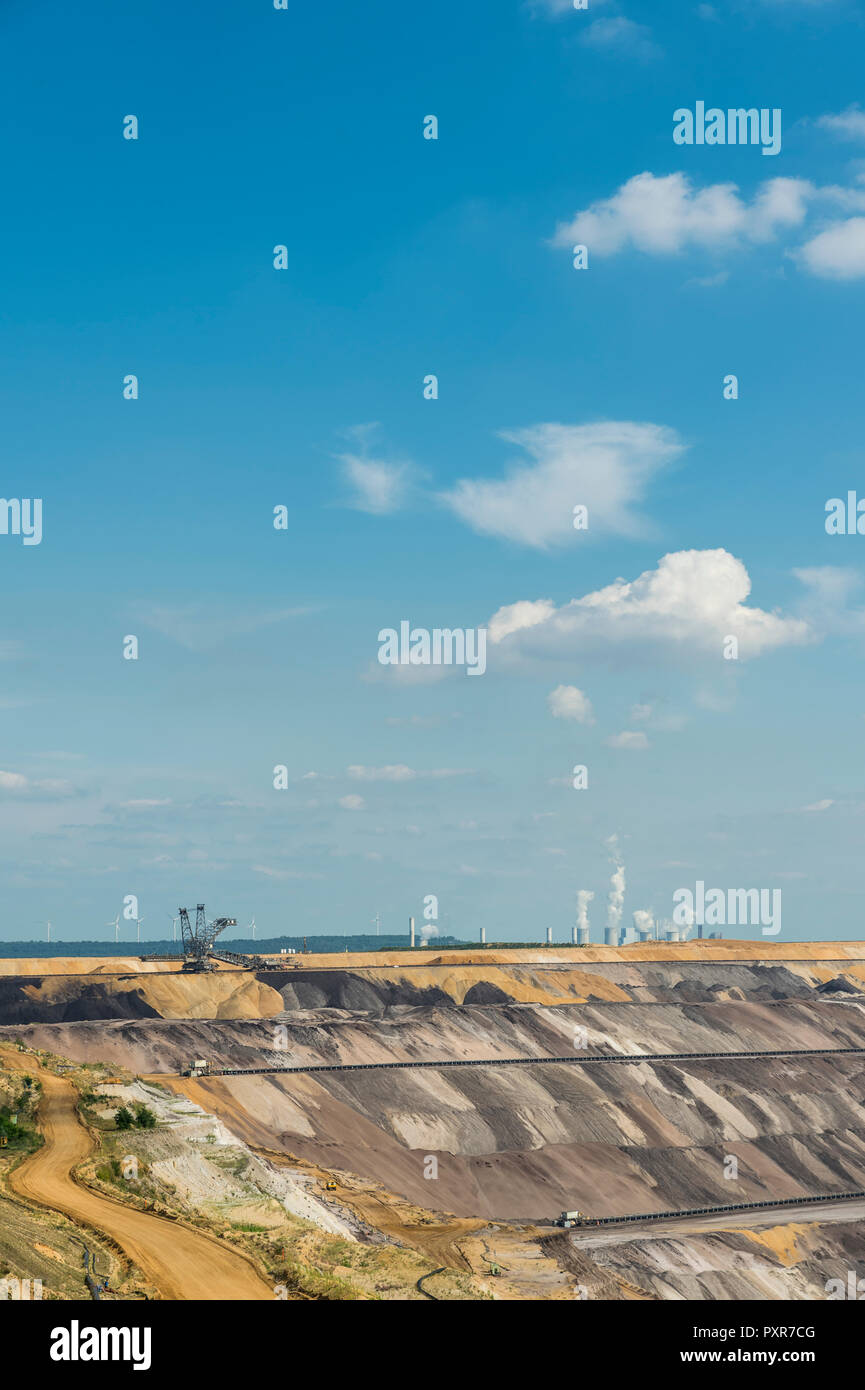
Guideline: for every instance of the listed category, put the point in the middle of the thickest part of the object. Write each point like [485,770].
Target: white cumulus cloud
[687,605]
[666,214]
[838,253]
[567,702]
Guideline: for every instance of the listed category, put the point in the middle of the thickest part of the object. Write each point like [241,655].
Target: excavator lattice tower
[198,954]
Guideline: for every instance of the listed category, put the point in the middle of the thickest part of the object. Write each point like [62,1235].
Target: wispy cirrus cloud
[377,487]
[145,803]
[847,125]
[374,483]
[398,772]
[635,740]
[605,466]
[198,626]
[829,602]
[269,872]
[618,35]
[555,9]
[15,785]
[612,33]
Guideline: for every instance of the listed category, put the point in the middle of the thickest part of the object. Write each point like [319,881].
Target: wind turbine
[174,921]
[48,924]
[252,925]
[138,922]
[115,924]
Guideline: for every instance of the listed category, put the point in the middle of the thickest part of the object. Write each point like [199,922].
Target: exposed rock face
[680,974]
[791,1261]
[57,998]
[682,981]
[523,1142]
[23,1001]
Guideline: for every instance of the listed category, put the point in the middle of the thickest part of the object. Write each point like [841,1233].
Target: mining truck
[201,1067]
[569,1218]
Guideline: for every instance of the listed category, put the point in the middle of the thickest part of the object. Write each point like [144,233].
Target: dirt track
[182,1264]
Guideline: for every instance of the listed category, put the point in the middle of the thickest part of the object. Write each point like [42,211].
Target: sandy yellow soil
[81,965]
[550,955]
[585,955]
[182,1264]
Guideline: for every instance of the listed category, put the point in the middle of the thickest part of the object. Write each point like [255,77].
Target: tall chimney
[549,936]
[483,936]
[411,932]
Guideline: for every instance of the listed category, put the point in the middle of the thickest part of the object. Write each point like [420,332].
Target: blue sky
[303,387]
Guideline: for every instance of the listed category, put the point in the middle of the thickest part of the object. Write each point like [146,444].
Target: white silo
[644,924]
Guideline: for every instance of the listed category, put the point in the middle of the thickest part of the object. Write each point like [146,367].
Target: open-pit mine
[418,1124]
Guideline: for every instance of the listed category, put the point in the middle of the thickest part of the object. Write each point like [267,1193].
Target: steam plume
[584,897]
[616,895]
